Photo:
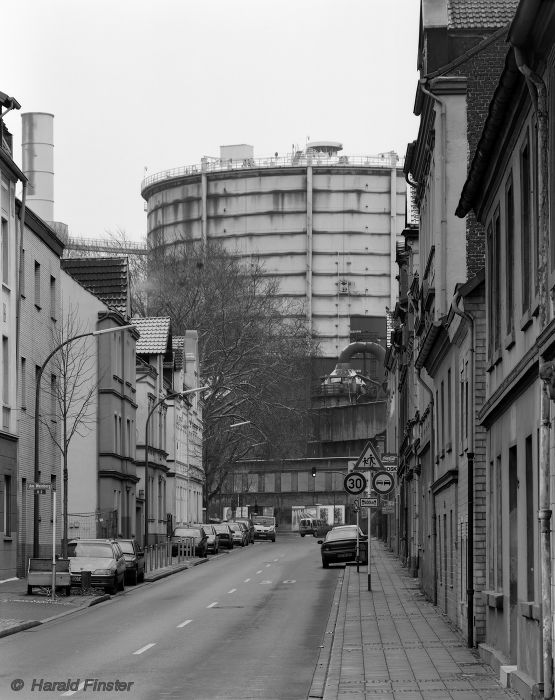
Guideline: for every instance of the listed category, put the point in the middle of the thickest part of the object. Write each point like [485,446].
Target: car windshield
[235,527]
[267,522]
[126,547]
[343,534]
[186,532]
[221,528]
[90,549]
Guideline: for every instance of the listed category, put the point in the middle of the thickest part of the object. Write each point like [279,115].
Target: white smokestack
[38,162]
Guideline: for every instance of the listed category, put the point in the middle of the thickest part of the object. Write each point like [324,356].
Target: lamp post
[172,395]
[36,545]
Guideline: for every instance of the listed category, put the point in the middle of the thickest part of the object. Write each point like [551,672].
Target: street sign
[368,502]
[39,488]
[369,458]
[383,482]
[389,461]
[354,483]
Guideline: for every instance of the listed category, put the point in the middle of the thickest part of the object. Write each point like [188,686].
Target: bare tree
[72,390]
[254,350]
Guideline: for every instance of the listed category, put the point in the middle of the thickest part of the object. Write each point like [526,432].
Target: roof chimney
[37,146]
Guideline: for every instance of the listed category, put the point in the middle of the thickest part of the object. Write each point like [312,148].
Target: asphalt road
[246,625]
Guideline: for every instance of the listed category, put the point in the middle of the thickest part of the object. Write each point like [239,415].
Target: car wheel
[29,590]
[302,534]
[113,587]
[325,564]
[121,584]
[68,591]
[141,576]
[134,577]
[273,539]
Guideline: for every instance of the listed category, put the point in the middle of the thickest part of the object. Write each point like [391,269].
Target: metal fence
[160,555]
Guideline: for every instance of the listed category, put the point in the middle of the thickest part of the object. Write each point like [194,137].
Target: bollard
[85,581]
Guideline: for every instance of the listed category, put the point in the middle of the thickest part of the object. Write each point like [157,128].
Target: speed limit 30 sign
[354,483]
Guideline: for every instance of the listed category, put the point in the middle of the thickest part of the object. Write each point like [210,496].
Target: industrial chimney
[37,145]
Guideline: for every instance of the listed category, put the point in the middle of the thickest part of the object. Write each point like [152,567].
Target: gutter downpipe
[533,80]
[432,457]
[443,181]
[470,488]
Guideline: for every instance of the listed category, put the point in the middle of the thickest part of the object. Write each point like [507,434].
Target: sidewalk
[19,611]
[391,643]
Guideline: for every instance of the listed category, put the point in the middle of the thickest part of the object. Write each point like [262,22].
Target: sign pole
[369,538]
[358,540]
[53,593]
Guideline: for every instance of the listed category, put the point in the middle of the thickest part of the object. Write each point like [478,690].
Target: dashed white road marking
[184,623]
[264,582]
[290,581]
[212,605]
[267,565]
[246,580]
[232,590]
[143,649]
[72,692]
[259,572]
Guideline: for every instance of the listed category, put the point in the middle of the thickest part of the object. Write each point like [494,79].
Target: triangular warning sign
[369,458]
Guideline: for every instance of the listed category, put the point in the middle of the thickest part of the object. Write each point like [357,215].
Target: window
[449,407]
[7,505]
[22,276]
[509,258]
[530,520]
[115,433]
[499,523]
[526,225]
[23,383]
[497,281]
[442,399]
[37,284]
[5,253]
[53,313]
[5,371]
[128,437]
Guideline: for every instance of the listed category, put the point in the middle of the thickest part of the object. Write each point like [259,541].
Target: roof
[154,335]
[106,278]
[480,14]
[178,346]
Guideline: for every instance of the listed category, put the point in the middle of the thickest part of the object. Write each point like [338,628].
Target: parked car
[213,542]
[134,561]
[184,534]
[264,527]
[250,527]
[313,526]
[340,546]
[240,534]
[225,535]
[103,558]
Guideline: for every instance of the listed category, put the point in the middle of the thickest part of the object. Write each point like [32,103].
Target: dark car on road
[250,527]
[213,543]
[240,533]
[225,535]
[184,536]
[340,546]
[134,561]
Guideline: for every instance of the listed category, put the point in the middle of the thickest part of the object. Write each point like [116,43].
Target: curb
[321,673]
[176,570]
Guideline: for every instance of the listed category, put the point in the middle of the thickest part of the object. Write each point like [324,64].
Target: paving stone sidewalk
[391,643]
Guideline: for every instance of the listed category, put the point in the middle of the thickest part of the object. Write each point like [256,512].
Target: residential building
[441,514]
[10,175]
[101,456]
[509,189]
[155,383]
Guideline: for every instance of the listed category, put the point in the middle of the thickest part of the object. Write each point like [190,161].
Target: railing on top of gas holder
[299,159]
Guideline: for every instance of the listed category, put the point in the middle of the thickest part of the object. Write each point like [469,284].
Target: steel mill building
[323,223]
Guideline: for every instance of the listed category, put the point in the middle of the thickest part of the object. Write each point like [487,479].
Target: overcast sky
[158,84]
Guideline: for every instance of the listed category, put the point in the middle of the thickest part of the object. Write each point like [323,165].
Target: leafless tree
[254,352]
[72,391]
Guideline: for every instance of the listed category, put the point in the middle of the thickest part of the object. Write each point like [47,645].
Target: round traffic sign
[382,482]
[354,483]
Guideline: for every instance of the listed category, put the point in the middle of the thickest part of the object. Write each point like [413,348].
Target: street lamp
[173,395]
[36,546]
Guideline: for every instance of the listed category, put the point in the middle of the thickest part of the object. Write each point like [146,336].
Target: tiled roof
[154,335]
[178,343]
[106,278]
[480,14]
